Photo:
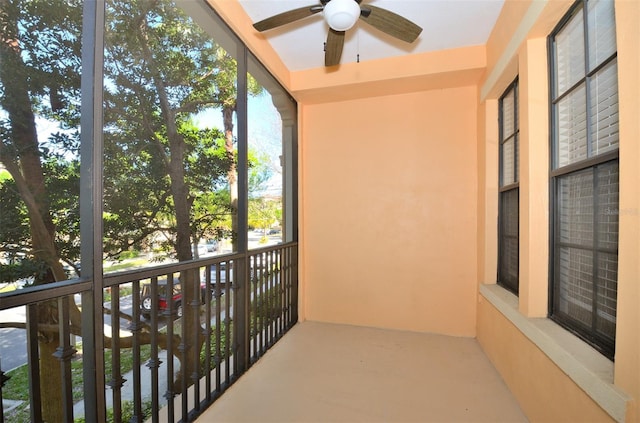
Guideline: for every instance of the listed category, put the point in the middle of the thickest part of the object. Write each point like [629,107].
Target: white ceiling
[446,24]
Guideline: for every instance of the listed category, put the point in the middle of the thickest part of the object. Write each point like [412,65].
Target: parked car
[212,245]
[202,250]
[146,299]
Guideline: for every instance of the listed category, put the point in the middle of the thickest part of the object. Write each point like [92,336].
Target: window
[508,215]
[584,174]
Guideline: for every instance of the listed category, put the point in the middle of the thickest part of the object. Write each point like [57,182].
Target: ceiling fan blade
[287,17]
[333,48]
[390,23]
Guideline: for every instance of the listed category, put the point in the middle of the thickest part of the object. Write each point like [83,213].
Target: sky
[265,134]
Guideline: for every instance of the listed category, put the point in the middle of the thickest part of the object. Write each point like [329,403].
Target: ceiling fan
[342,15]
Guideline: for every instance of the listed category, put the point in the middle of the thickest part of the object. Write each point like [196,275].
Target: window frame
[602,343]
[512,286]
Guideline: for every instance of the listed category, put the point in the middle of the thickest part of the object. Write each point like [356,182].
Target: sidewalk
[8,405]
[145,385]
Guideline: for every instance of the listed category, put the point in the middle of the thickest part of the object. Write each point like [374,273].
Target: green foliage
[265,309]
[62,183]
[49,33]
[225,348]
[17,387]
[259,173]
[14,223]
[24,269]
[165,49]
[124,290]
[42,80]
[163,46]
[62,179]
[125,255]
[264,213]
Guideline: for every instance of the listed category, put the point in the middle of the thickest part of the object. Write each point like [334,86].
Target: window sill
[588,369]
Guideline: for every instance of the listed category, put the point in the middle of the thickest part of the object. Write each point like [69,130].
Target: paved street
[13,342]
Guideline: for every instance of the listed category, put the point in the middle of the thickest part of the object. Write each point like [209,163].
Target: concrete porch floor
[322,372]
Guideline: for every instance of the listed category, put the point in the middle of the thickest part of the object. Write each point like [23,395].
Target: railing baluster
[254,306]
[274,298]
[64,353]
[182,348]
[276,295]
[34,363]
[261,310]
[227,327]
[3,379]
[135,328]
[286,275]
[283,300]
[278,280]
[253,309]
[154,362]
[117,380]
[289,278]
[207,330]
[269,303]
[170,394]
[275,302]
[266,304]
[284,280]
[294,282]
[195,336]
[218,356]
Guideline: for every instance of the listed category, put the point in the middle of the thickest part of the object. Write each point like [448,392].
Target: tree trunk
[227,119]
[50,382]
[193,340]
[22,159]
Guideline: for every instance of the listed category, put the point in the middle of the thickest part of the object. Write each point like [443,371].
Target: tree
[162,173]
[164,69]
[62,184]
[160,84]
[264,213]
[27,76]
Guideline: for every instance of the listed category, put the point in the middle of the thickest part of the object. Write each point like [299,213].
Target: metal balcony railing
[169,340]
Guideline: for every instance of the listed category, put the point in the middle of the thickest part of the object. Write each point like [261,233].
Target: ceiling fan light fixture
[341,14]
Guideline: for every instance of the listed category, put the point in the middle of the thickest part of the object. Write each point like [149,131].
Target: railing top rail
[49,291]
[53,290]
[116,278]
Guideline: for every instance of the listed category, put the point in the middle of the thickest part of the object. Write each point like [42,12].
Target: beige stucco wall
[627,368]
[389,198]
[543,391]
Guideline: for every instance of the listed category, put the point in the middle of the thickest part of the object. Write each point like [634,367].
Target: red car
[146,300]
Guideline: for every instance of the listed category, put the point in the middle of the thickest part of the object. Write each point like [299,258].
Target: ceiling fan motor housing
[341,14]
